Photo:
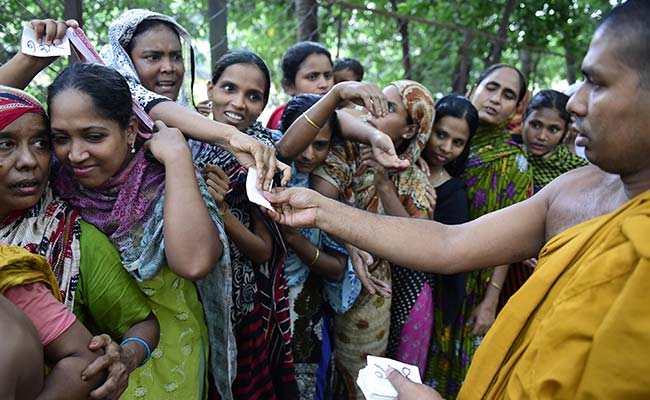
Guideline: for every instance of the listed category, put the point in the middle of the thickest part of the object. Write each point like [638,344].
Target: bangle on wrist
[310,121]
[146,346]
[491,282]
[311,264]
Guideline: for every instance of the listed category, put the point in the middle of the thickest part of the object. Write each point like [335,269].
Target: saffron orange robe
[579,328]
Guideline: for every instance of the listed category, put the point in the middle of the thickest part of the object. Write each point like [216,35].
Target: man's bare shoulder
[579,195]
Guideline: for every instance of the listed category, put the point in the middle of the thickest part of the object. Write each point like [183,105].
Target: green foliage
[549,28]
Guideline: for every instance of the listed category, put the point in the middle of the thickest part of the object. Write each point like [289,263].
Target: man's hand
[296,207]
[409,390]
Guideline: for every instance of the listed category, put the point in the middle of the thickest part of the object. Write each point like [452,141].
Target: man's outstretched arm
[509,235]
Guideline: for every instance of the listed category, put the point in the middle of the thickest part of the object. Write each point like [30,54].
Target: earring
[405,136]
[133,148]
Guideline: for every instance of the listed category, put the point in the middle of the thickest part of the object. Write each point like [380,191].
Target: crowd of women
[148,240]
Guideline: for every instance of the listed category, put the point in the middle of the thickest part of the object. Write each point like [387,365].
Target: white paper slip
[373,379]
[30,46]
[254,194]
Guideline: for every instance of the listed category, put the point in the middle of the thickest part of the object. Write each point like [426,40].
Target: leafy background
[547,39]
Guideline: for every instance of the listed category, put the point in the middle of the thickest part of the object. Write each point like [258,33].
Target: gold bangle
[311,264]
[310,121]
[494,284]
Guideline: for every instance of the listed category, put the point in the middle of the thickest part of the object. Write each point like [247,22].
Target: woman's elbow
[197,266]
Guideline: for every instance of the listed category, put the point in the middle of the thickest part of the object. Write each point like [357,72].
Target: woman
[153,210]
[306,68]
[404,113]
[153,52]
[446,155]
[497,175]
[546,122]
[545,125]
[238,91]
[87,268]
[319,275]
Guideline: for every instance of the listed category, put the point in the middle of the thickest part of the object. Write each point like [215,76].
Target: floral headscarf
[120,34]
[421,109]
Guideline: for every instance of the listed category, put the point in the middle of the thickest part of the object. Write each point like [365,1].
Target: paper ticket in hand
[30,46]
[254,194]
[373,379]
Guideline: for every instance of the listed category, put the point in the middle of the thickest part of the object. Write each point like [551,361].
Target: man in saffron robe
[580,327]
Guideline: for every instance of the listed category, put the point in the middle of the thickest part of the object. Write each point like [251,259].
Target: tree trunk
[526,63]
[218,21]
[72,9]
[307,14]
[403,29]
[502,33]
[570,65]
[461,72]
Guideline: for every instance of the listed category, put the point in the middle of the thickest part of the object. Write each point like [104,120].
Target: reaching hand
[167,143]
[50,31]
[295,207]
[380,174]
[383,151]
[361,261]
[363,93]
[204,108]
[251,153]
[409,390]
[218,184]
[119,364]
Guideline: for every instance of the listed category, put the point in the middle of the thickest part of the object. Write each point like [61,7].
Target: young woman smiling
[238,91]
[157,213]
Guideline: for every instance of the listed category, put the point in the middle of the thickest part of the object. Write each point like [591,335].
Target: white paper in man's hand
[254,194]
[30,46]
[373,379]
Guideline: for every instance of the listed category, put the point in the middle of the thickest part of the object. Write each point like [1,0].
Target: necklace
[438,176]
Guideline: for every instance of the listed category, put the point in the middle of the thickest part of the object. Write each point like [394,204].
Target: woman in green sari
[496,175]
[546,122]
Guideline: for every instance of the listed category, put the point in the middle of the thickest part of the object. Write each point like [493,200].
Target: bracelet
[494,284]
[146,346]
[310,121]
[315,257]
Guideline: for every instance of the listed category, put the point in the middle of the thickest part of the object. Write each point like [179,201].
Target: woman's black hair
[147,25]
[105,86]
[296,55]
[297,105]
[550,99]
[457,106]
[523,85]
[242,57]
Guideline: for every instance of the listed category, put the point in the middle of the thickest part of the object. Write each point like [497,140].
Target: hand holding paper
[33,46]
[254,194]
[373,379]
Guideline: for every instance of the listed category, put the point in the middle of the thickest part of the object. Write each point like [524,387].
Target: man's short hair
[630,22]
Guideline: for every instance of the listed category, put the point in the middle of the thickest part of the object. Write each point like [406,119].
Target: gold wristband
[310,121]
[494,284]
[311,264]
